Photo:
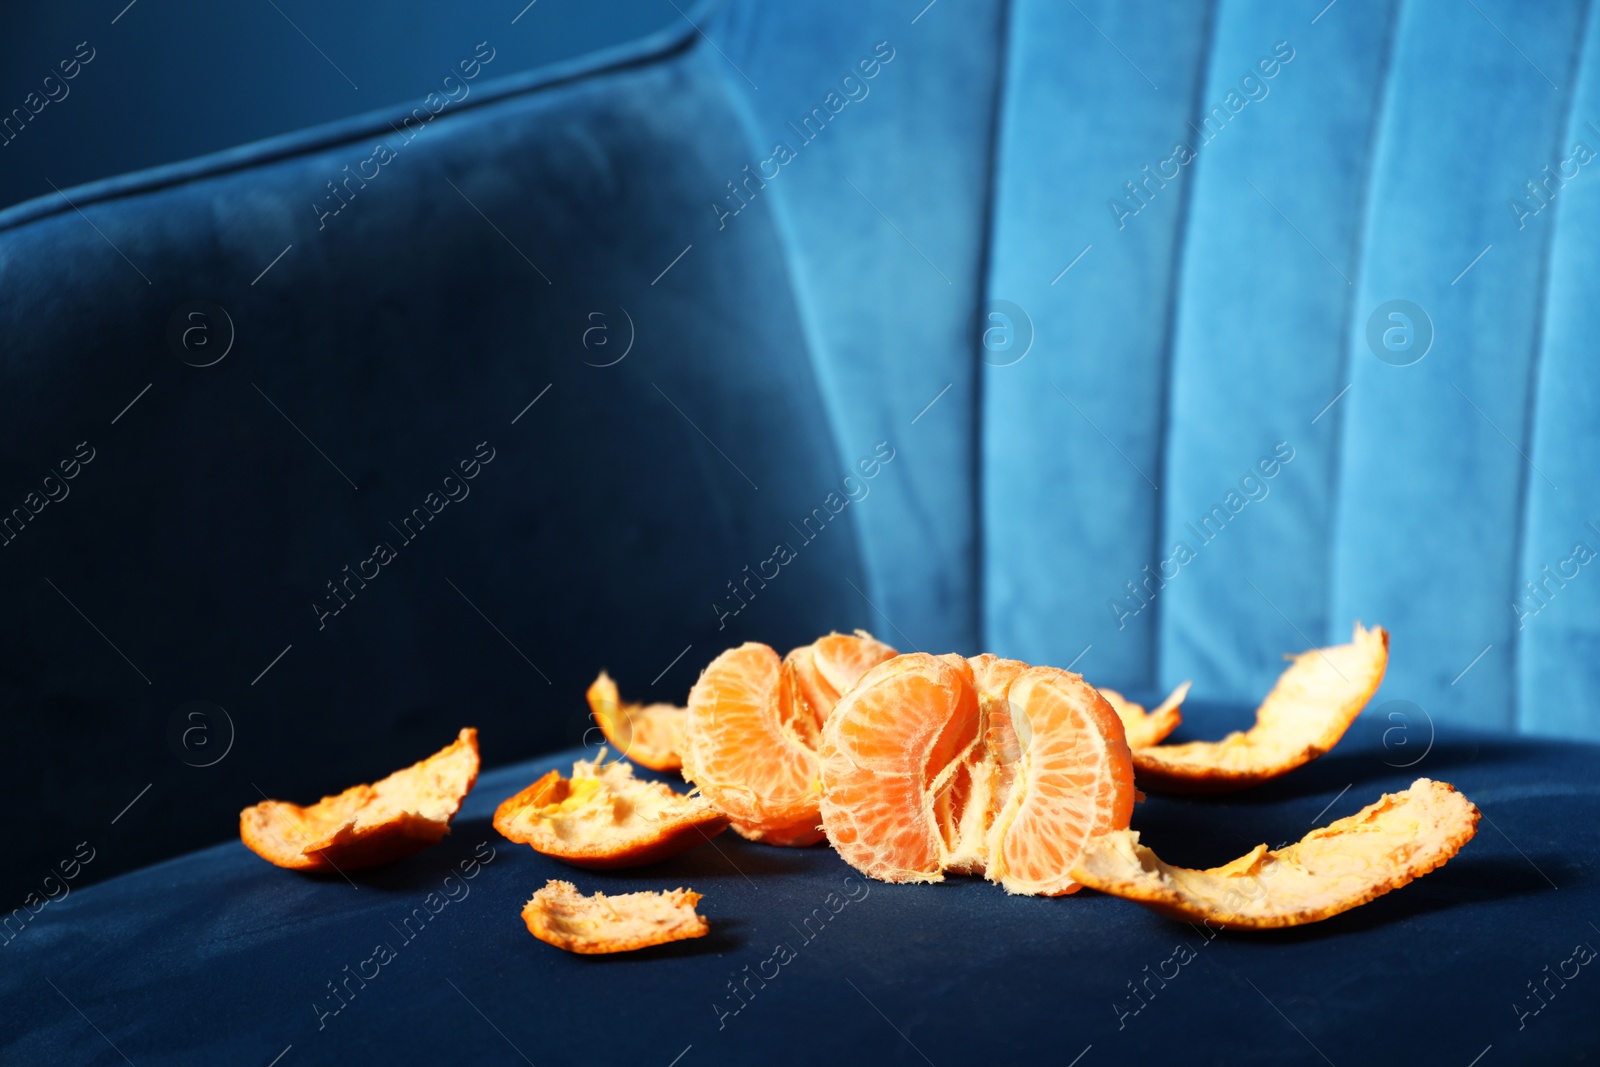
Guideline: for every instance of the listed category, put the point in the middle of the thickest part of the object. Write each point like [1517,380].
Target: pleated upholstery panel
[1213,321]
[1556,587]
[1072,431]
[1433,478]
[882,205]
[1283,153]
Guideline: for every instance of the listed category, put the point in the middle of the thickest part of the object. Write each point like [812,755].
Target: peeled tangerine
[1347,863]
[990,766]
[753,727]
[649,734]
[559,915]
[367,825]
[603,817]
[1307,712]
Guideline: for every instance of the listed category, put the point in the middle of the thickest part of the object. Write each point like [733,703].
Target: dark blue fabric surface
[220,958]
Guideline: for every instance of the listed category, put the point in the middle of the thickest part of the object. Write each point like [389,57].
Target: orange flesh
[884,757]
[932,764]
[753,725]
[744,752]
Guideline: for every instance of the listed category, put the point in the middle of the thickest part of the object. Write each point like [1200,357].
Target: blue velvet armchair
[1157,341]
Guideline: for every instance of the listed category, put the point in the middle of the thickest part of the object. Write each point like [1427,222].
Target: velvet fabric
[218,957]
[952,322]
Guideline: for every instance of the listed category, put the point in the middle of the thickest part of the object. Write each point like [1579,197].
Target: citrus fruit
[935,763]
[752,727]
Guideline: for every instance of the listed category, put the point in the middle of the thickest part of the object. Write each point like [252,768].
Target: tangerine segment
[893,747]
[827,668]
[649,734]
[1387,844]
[367,825]
[559,915]
[603,817]
[743,748]
[1146,728]
[1309,709]
[1074,782]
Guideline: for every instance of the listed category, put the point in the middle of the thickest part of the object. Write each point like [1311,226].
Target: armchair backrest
[1258,319]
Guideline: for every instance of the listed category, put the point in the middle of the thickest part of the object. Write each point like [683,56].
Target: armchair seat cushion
[218,957]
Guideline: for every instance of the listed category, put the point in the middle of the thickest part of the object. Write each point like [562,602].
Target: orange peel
[1306,713]
[649,734]
[1146,728]
[604,818]
[559,915]
[367,825]
[1386,845]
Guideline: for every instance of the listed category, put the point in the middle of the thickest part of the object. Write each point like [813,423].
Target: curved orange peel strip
[559,915]
[367,825]
[1308,711]
[604,818]
[1384,846]
[649,734]
[1146,728]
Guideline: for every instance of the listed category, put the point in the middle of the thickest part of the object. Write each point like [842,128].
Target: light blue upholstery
[1199,315]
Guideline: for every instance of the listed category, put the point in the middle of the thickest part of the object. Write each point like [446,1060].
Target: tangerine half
[752,728]
[936,763]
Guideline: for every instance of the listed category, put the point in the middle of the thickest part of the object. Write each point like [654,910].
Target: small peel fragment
[1146,728]
[1400,837]
[367,825]
[604,818]
[649,734]
[1309,709]
[559,915]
